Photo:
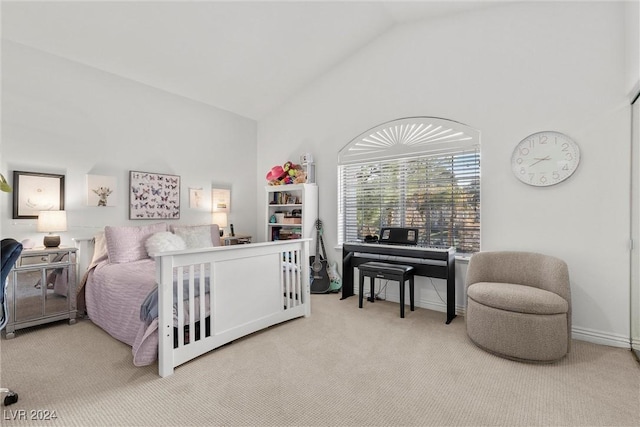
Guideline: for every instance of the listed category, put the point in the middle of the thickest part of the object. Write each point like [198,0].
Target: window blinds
[438,193]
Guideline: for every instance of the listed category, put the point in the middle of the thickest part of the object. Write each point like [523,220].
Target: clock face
[545,158]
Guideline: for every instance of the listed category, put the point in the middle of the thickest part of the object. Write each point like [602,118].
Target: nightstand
[42,288]
[238,239]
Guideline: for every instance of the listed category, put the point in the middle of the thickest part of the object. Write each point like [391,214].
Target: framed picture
[34,192]
[221,200]
[195,198]
[153,195]
[101,190]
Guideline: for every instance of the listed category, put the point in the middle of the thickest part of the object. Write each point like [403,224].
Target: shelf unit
[291,211]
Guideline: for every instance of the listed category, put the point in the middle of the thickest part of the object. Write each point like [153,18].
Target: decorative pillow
[215,235]
[126,244]
[195,236]
[99,249]
[164,241]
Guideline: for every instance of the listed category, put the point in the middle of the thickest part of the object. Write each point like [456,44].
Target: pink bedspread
[114,293]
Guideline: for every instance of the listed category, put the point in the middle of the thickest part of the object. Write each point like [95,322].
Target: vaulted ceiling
[244,57]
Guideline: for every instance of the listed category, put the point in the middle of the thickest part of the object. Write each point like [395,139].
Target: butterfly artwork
[153,195]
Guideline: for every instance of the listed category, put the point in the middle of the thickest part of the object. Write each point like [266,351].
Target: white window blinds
[417,172]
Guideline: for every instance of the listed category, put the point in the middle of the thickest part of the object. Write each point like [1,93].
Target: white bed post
[164,269]
[306,275]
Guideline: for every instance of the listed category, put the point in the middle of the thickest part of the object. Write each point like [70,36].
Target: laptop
[398,236]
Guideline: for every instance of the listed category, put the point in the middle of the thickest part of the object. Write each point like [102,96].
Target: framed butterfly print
[153,196]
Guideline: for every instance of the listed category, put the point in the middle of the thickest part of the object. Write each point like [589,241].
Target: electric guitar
[320,282]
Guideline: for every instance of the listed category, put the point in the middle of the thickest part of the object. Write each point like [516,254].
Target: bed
[131,290]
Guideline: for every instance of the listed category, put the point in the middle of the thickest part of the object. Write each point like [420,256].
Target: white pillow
[195,236]
[164,241]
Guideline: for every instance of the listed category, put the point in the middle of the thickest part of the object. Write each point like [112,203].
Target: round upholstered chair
[519,305]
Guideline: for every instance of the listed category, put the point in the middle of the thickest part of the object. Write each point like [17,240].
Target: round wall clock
[545,158]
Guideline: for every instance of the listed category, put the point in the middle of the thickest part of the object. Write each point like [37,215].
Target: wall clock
[545,158]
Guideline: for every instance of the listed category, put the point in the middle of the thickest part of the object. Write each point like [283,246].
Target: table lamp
[220,218]
[50,222]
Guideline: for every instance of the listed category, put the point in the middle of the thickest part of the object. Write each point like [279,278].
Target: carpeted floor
[341,366]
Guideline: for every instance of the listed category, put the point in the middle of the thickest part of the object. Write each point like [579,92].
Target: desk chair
[10,250]
[383,270]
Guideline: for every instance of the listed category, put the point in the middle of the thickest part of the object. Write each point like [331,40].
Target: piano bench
[382,270]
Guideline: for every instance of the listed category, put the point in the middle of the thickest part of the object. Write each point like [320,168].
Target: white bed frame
[252,286]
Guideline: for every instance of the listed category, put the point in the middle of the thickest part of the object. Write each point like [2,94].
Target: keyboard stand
[427,262]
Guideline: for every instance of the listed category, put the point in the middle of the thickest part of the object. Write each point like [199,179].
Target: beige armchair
[519,305]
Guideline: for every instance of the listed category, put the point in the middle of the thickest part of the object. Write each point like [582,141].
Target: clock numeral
[543,179]
[565,146]
[543,139]
[531,176]
[524,151]
[523,171]
[555,175]
[519,160]
[569,156]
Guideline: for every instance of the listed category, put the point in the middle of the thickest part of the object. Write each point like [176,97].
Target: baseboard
[437,306]
[599,337]
[582,334]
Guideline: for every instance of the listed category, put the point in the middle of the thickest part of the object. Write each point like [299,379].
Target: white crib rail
[251,287]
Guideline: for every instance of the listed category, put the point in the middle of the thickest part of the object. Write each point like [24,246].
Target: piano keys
[427,262]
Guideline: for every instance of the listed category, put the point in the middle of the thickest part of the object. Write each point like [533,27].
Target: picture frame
[221,200]
[34,192]
[154,195]
[195,198]
[102,190]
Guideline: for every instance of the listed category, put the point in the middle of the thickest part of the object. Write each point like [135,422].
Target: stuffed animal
[289,173]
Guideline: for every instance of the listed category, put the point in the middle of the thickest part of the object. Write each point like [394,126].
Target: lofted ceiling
[241,56]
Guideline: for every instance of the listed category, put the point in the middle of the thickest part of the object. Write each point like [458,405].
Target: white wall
[508,71]
[60,116]
[632,32]
[633,54]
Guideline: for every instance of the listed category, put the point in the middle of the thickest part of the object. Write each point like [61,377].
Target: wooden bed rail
[245,288]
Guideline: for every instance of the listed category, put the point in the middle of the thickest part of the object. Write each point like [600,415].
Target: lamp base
[51,241]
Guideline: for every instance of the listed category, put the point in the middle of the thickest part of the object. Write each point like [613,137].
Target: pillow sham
[164,241]
[99,249]
[195,236]
[126,244]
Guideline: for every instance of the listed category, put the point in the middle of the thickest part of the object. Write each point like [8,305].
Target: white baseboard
[599,337]
[582,334]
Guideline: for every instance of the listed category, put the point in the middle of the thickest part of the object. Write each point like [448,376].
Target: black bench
[382,270]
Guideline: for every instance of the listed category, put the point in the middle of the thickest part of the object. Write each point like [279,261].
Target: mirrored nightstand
[42,288]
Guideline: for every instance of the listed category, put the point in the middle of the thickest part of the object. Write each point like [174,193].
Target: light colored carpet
[341,366]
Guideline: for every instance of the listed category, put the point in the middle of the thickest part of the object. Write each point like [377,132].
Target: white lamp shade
[50,221]
[219,218]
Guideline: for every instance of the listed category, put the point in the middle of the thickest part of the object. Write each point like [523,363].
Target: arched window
[421,172]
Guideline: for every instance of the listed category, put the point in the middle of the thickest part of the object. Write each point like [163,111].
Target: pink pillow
[126,244]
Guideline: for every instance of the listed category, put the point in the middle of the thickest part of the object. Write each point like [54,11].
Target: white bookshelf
[291,211]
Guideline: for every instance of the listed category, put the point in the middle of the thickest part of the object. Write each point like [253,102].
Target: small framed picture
[221,200]
[34,192]
[195,198]
[101,190]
